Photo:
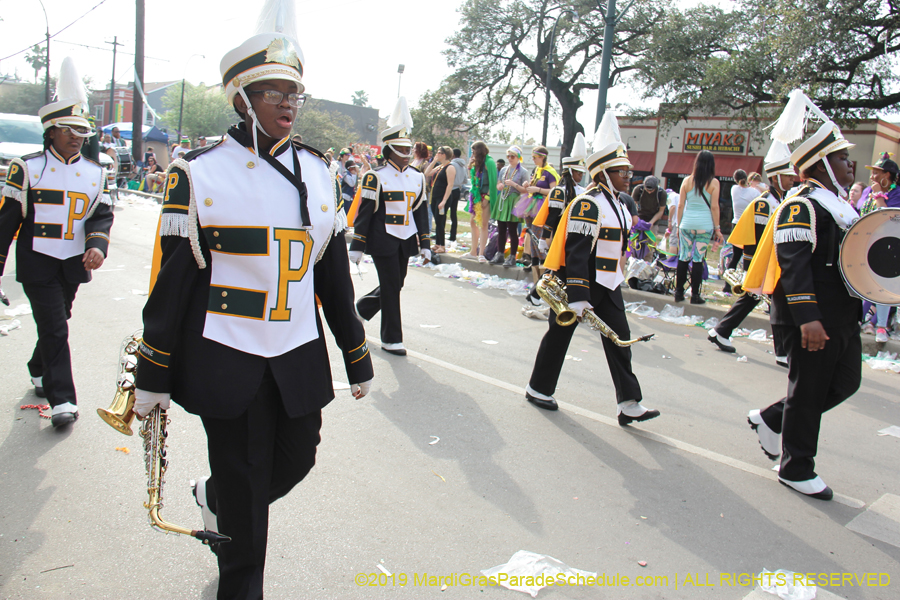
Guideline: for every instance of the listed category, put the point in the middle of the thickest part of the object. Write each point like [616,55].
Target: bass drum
[870,257]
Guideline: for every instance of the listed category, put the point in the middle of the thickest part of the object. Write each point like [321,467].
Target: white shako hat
[400,125]
[778,160]
[575,160]
[791,126]
[609,149]
[71,104]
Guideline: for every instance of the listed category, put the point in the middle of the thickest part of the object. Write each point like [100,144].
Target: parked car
[24,134]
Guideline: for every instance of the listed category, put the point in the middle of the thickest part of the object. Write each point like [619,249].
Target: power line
[55,34]
[108,50]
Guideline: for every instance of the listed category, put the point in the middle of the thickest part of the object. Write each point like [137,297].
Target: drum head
[870,257]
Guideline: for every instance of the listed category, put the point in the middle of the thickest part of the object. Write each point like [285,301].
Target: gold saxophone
[120,415]
[551,289]
[735,279]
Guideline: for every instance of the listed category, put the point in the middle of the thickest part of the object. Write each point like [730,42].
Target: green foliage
[842,54]
[360,98]
[322,129]
[23,98]
[37,58]
[436,123]
[206,110]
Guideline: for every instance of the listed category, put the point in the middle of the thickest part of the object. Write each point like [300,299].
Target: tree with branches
[745,62]
[500,55]
[37,58]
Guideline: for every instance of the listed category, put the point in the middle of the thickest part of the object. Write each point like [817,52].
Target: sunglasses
[275,97]
[624,174]
[76,131]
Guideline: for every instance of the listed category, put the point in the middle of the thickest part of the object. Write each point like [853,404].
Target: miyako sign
[721,141]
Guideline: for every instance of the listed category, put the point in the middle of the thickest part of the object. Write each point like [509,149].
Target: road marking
[880,521]
[589,414]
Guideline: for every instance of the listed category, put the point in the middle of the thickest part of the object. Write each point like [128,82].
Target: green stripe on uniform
[49,231]
[57,197]
[394,219]
[613,234]
[236,303]
[607,265]
[248,241]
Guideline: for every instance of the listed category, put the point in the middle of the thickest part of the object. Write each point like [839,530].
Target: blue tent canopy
[150,134]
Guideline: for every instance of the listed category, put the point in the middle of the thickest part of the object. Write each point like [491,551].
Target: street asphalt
[445,470]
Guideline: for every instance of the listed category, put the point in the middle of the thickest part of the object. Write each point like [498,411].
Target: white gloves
[355,256]
[579,307]
[358,390]
[543,246]
[426,253]
[145,401]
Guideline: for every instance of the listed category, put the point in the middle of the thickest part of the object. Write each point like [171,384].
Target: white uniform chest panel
[62,196]
[399,192]
[262,298]
[609,243]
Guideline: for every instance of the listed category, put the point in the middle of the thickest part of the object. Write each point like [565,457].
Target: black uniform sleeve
[334,288]
[557,204]
[582,221]
[96,229]
[10,220]
[795,259]
[420,215]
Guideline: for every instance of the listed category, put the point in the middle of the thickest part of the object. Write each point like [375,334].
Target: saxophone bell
[735,279]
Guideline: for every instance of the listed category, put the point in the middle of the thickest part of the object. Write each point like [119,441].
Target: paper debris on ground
[759,335]
[892,430]
[883,361]
[383,570]
[524,570]
[429,326]
[7,327]
[140,292]
[541,313]
[781,583]
[489,342]
[742,359]
[18,311]
[434,440]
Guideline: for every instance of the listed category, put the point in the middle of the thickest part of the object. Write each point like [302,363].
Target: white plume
[69,86]
[401,115]
[608,132]
[279,16]
[778,151]
[791,125]
[579,147]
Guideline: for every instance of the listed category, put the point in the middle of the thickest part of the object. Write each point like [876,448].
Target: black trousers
[386,297]
[440,220]
[255,459]
[551,354]
[452,206]
[817,382]
[736,315]
[51,305]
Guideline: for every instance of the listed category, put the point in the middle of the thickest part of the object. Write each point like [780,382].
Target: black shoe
[541,403]
[697,299]
[533,298]
[716,339]
[497,260]
[679,296]
[626,420]
[510,262]
[781,361]
[805,488]
[39,392]
[63,419]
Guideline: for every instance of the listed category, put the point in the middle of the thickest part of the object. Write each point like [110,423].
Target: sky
[348,45]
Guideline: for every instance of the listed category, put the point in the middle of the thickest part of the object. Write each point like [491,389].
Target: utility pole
[112,82]
[608,34]
[47,74]
[137,100]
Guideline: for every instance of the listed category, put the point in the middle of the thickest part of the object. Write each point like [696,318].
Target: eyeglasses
[275,97]
[76,130]
[624,174]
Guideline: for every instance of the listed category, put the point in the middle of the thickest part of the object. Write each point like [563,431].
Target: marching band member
[250,237]
[391,225]
[61,201]
[747,233]
[588,251]
[816,317]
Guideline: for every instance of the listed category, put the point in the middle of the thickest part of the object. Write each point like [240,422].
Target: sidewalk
[755,320]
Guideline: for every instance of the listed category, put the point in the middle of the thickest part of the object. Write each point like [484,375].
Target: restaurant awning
[681,165]
[644,162]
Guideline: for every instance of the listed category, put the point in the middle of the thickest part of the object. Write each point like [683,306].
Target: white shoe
[632,411]
[881,335]
[395,348]
[63,414]
[210,522]
[768,439]
[814,488]
[782,361]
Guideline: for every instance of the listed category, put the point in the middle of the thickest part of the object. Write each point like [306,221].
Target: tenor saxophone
[551,289]
[120,415]
[735,279]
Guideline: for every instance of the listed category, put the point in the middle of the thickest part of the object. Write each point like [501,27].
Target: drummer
[812,311]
